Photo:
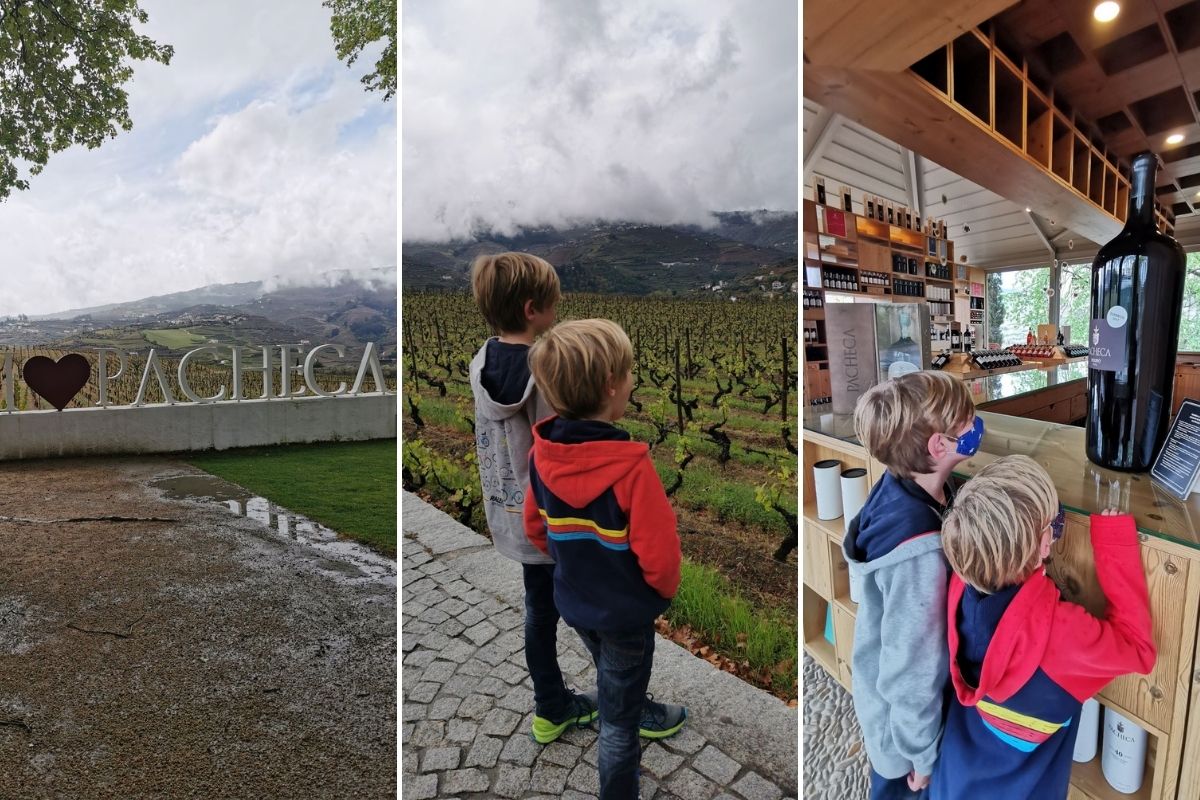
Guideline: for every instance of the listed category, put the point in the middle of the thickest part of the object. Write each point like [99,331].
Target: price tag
[1178,463]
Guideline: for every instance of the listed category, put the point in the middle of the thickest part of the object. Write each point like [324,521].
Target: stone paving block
[580,737]
[491,606]
[476,706]
[434,616]
[592,755]
[561,754]
[421,787]
[413,609]
[482,633]
[430,597]
[688,785]
[492,686]
[440,759]
[461,731]
[459,686]
[649,787]
[457,651]
[451,627]
[687,741]
[753,786]
[714,764]
[423,692]
[484,752]
[419,587]
[509,619]
[465,780]
[435,641]
[500,722]
[474,597]
[571,794]
[509,673]
[511,781]
[584,778]
[417,558]
[409,765]
[459,589]
[723,796]
[522,750]
[433,567]
[572,664]
[411,712]
[452,606]
[511,642]
[548,778]
[428,733]
[475,668]
[443,708]
[419,659]
[406,731]
[416,628]
[439,671]
[493,655]
[472,616]
[519,699]
[408,643]
[658,760]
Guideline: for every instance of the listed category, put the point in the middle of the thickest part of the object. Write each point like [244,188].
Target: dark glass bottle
[1137,297]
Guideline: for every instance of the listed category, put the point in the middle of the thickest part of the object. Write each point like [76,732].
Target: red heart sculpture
[58,382]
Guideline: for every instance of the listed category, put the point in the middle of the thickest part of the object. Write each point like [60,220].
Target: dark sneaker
[660,720]
[580,712]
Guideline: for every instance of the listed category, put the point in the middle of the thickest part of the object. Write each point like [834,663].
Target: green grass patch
[766,638]
[705,489]
[173,338]
[347,486]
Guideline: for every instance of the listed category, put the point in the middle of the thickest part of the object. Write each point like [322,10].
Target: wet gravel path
[835,763]
[160,648]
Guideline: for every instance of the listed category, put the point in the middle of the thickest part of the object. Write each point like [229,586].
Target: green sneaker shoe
[581,711]
[660,720]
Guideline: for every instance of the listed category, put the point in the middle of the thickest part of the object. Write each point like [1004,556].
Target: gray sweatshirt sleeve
[914,659]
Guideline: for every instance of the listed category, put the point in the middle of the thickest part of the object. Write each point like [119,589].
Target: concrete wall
[195,426]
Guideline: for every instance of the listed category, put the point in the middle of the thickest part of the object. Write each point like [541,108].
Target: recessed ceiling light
[1175,138]
[1107,11]
[1028,209]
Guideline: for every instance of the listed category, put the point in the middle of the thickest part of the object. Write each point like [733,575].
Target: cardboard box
[872,342]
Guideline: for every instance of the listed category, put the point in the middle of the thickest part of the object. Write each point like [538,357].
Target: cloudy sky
[540,112]
[255,154]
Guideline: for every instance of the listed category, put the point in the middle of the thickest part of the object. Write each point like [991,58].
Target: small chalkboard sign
[1178,463]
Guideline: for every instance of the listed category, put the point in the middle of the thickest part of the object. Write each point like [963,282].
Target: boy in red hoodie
[1022,660]
[597,507]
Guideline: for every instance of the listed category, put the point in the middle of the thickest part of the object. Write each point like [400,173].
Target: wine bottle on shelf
[891,214]
[820,191]
[1137,300]
[846,202]
[869,207]
[1124,758]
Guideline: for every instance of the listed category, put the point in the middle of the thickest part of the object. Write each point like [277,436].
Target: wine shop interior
[1010,193]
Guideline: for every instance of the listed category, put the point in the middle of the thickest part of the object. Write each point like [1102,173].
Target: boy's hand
[917,782]
[1110,512]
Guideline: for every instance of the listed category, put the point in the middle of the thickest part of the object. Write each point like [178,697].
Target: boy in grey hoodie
[919,426]
[517,293]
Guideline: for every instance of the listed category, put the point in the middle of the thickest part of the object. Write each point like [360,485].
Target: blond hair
[992,536]
[894,419]
[503,282]
[575,361]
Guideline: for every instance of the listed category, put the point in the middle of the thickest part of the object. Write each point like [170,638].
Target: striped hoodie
[1023,660]
[597,507]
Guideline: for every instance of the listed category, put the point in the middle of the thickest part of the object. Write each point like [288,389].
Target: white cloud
[255,155]
[528,113]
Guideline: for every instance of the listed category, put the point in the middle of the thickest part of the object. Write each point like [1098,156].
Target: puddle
[339,556]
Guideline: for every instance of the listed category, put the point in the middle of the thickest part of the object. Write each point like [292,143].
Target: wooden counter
[1170,533]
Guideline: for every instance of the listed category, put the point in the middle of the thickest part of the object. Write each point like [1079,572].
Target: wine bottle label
[1107,342]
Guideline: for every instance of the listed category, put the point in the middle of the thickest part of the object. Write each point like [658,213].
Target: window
[1017,301]
[1075,300]
[1189,327]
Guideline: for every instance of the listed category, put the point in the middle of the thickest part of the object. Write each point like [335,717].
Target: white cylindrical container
[854,494]
[1088,736]
[1124,759]
[826,475]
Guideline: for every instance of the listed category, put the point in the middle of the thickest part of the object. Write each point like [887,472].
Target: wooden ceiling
[1136,78]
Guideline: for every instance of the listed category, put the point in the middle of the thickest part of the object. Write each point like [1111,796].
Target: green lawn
[347,486]
[173,338]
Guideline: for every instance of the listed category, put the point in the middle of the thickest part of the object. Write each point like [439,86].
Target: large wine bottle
[1137,297]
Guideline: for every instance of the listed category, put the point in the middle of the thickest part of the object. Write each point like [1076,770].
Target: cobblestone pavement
[835,762]
[468,704]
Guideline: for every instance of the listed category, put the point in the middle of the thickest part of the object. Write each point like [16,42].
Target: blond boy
[518,293]
[919,426]
[596,505]
[1022,660]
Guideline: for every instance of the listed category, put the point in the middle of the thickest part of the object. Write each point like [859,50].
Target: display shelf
[815,609]
[1088,778]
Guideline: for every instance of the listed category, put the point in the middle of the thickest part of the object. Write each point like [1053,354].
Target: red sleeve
[535,526]
[1089,652]
[653,536]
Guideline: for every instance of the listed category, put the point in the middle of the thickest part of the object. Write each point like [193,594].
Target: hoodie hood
[579,473]
[484,404]
[897,512]
[1017,641]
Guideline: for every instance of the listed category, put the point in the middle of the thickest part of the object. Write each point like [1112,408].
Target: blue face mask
[1058,523]
[968,443]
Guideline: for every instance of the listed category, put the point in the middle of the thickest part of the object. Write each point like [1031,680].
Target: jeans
[550,696]
[623,662]
[893,789]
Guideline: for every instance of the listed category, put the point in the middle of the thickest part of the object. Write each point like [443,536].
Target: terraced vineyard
[714,397]
[204,377]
